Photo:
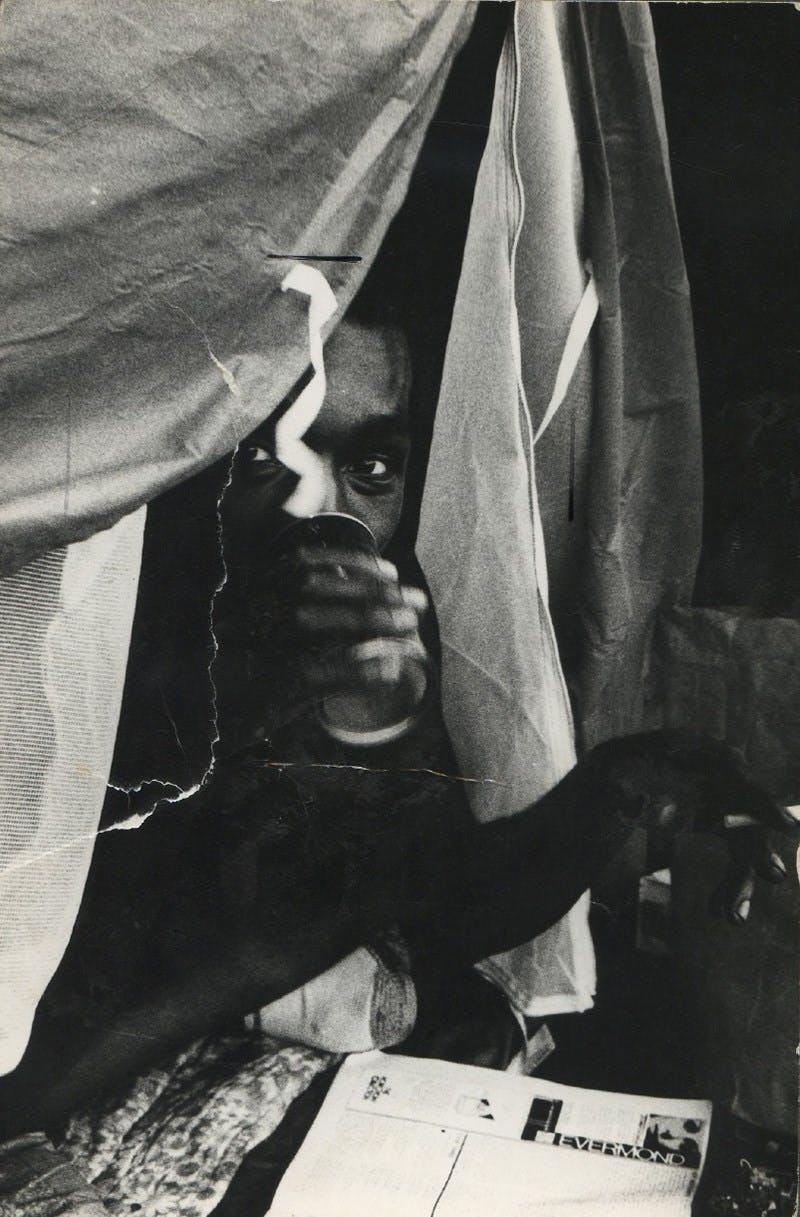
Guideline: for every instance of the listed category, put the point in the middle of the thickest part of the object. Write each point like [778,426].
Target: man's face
[360,437]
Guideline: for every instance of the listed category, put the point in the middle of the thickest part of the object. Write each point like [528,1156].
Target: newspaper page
[406,1137]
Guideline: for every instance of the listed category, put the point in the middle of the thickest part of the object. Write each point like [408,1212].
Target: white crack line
[135,821]
[293,453]
[308,495]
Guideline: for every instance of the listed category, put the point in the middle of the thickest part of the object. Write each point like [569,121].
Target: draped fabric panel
[171,162]
[504,697]
[162,153]
[638,485]
[598,521]
[65,623]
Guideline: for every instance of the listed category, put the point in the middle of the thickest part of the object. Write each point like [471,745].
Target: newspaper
[404,1137]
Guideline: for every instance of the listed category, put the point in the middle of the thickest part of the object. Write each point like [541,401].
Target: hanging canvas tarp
[163,191]
[164,185]
[638,487]
[565,437]
[172,163]
[65,625]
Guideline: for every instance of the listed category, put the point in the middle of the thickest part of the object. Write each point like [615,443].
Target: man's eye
[373,474]
[259,460]
[254,453]
[374,468]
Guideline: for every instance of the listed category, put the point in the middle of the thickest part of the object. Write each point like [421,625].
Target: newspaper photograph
[399,607]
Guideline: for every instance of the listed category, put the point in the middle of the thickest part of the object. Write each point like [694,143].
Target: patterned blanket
[172,1142]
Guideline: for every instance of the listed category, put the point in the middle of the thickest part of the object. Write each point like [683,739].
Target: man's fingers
[763,808]
[357,622]
[384,661]
[733,801]
[750,857]
[758,809]
[297,569]
[326,584]
[742,900]
[371,664]
[775,871]
[331,672]
[734,897]
[414,598]
[717,773]
[749,848]
[349,595]
[349,561]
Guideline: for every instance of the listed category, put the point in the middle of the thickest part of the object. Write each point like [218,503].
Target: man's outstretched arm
[456,901]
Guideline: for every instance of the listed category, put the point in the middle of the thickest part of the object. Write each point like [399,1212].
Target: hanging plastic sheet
[628,454]
[172,162]
[65,622]
[586,459]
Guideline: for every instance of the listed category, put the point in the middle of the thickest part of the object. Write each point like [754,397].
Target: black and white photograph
[399,608]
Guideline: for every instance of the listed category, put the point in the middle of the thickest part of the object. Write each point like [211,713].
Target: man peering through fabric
[305,872]
[325,624]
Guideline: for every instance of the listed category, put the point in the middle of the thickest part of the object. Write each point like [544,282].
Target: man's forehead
[361,357]
[368,371]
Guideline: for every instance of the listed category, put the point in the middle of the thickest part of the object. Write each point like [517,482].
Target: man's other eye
[259,460]
[374,470]
[253,453]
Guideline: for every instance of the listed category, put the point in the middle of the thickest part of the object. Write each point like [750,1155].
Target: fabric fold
[549,561]
[171,162]
[65,626]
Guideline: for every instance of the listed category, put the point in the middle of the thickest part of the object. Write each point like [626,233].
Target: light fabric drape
[505,701]
[165,164]
[574,181]
[171,161]
[65,624]
[162,153]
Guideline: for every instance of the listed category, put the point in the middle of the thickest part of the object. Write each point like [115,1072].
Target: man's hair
[375,307]
[375,304]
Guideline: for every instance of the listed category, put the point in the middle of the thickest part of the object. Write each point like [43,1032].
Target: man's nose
[333,497]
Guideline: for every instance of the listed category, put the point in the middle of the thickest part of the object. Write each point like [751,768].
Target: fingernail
[740,821]
[667,814]
[777,867]
[414,597]
[742,912]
